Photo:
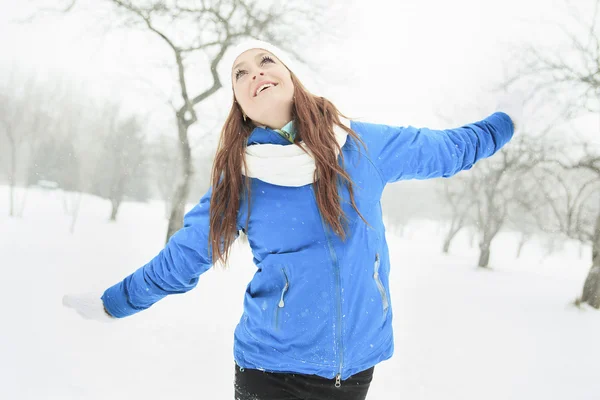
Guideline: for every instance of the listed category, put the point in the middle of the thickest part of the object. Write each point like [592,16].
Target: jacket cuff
[116,302]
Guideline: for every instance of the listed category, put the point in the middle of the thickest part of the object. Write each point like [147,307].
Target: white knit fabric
[286,165]
[236,51]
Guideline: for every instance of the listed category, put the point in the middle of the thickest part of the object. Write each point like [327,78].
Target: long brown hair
[314,119]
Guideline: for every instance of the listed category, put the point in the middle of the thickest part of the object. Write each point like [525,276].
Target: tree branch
[37,13]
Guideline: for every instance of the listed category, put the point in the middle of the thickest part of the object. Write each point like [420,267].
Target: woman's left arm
[419,153]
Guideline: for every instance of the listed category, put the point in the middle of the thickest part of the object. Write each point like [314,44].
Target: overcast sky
[398,62]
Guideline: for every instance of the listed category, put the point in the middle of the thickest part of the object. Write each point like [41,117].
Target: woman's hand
[89,306]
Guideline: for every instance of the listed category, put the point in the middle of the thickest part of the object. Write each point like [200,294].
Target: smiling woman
[263,87]
[304,183]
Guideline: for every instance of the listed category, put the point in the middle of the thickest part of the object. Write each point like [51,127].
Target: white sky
[401,63]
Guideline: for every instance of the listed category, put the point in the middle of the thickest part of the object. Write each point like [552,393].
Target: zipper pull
[281,303]
[338,381]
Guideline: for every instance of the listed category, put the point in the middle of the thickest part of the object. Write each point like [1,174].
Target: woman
[304,184]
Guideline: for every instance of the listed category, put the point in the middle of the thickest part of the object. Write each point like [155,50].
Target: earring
[244,117]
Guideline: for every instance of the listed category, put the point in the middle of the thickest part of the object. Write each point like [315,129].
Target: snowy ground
[460,333]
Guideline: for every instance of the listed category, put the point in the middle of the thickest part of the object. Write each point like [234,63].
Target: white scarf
[286,165]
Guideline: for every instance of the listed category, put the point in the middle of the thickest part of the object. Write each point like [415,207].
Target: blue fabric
[262,135]
[316,304]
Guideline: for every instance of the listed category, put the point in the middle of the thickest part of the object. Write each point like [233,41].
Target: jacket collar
[264,135]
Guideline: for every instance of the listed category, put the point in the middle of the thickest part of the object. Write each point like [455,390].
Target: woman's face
[263,87]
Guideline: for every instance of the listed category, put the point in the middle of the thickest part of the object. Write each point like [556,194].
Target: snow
[460,333]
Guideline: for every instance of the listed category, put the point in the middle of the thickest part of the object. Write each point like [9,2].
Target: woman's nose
[261,74]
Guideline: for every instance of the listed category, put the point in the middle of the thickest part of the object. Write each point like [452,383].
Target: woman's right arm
[174,270]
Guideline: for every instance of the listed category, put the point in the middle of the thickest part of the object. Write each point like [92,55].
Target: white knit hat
[233,53]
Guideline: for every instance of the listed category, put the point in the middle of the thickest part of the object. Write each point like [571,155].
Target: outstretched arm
[174,270]
[420,153]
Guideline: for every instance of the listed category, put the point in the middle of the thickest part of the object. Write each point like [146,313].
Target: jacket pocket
[380,287]
[281,303]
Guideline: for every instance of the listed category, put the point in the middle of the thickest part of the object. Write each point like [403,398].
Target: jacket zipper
[281,303]
[382,292]
[338,295]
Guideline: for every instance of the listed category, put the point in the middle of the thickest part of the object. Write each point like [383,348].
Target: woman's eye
[266,59]
[238,74]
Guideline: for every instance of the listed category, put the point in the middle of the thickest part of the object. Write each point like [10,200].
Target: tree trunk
[114,209]
[484,251]
[490,229]
[11,199]
[12,177]
[473,238]
[449,237]
[591,287]
[183,187]
[446,247]
[75,211]
[524,238]
[116,196]
[484,256]
[520,248]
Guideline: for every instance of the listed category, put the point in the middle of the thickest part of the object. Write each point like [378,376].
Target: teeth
[266,85]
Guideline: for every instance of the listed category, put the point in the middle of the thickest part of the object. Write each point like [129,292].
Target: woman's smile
[262,86]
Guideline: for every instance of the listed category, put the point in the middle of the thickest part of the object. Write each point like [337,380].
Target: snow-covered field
[460,333]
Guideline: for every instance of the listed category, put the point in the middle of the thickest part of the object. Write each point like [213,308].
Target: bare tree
[491,183]
[574,71]
[520,217]
[459,201]
[87,129]
[565,199]
[8,128]
[22,124]
[121,169]
[212,27]
[576,212]
[570,70]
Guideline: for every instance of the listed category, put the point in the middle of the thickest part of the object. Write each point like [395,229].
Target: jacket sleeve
[420,153]
[174,270]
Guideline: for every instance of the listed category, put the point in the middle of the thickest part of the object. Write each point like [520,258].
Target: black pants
[252,384]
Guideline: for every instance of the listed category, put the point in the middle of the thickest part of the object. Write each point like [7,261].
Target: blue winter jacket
[316,304]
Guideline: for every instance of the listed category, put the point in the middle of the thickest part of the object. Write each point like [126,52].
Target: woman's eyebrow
[237,65]
[259,55]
